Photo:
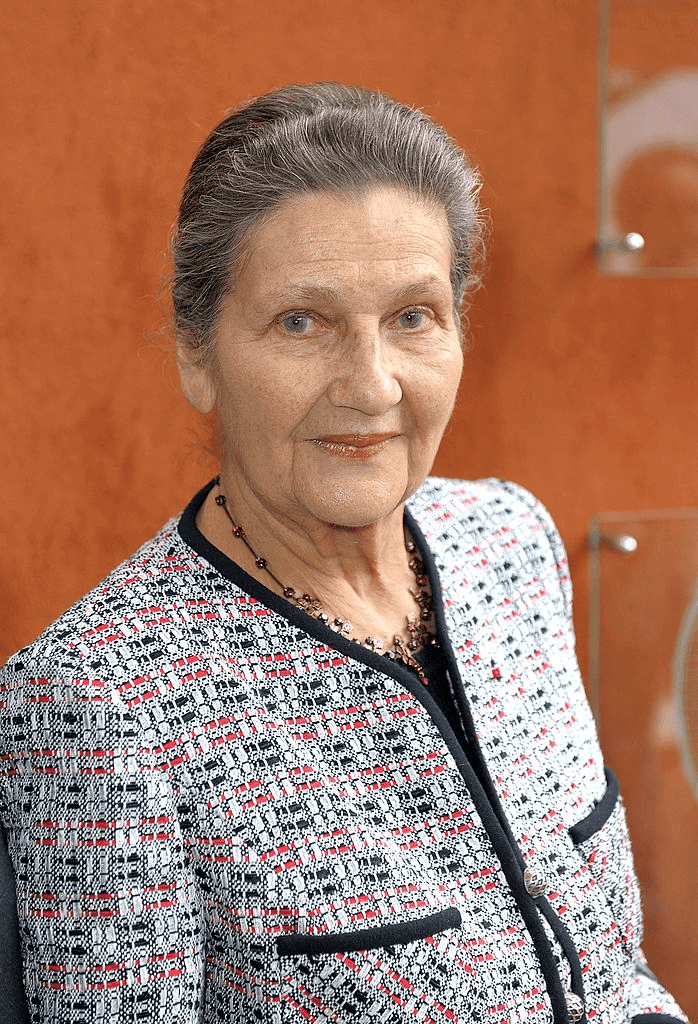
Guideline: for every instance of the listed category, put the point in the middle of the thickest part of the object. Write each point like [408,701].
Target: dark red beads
[404,650]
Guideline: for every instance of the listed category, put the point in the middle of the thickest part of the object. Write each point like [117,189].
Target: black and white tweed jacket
[219,810]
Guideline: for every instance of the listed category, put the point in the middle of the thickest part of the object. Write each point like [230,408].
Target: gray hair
[324,137]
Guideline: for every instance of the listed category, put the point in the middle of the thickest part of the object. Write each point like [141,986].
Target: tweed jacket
[221,811]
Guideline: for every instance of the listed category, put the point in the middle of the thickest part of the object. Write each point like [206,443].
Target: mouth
[354,446]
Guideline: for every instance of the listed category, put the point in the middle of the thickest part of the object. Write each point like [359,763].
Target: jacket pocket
[595,821]
[369,938]
[602,841]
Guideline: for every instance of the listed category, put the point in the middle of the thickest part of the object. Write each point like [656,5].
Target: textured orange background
[580,387]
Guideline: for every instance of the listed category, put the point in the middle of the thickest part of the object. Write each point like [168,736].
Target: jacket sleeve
[109,921]
[649,1002]
[553,541]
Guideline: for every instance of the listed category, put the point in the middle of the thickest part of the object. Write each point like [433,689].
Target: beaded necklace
[420,627]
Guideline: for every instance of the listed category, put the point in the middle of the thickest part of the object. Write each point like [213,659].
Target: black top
[435,668]
[13,1003]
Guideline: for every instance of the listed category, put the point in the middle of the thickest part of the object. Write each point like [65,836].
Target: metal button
[535,881]
[575,1007]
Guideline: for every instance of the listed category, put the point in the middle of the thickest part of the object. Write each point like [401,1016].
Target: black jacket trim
[594,821]
[471,762]
[514,865]
[568,948]
[230,570]
[369,938]
[486,799]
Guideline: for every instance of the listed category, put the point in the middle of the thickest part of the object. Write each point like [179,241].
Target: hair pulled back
[324,137]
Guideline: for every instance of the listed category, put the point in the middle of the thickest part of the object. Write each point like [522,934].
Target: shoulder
[100,609]
[491,514]
[442,497]
[86,646]
[71,687]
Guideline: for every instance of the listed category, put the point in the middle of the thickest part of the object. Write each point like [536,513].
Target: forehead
[380,241]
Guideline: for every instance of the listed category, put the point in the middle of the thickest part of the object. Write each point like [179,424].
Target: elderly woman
[320,750]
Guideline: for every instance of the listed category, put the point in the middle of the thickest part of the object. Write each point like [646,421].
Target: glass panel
[644,688]
[649,137]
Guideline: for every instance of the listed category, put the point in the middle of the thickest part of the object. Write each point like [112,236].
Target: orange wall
[580,387]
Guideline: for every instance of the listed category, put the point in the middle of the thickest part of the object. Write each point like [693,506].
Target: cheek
[437,388]
[265,401]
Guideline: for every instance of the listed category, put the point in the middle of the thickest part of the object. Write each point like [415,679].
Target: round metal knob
[535,881]
[632,242]
[619,542]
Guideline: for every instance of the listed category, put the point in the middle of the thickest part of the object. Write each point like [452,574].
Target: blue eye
[297,323]
[411,319]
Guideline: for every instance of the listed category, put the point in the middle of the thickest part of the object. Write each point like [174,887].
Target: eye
[297,323]
[412,319]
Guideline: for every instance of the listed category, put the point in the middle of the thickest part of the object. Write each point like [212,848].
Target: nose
[366,375]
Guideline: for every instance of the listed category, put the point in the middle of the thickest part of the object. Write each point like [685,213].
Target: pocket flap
[369,938]
[597,818]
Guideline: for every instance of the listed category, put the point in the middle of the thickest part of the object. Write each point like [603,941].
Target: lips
[354,446]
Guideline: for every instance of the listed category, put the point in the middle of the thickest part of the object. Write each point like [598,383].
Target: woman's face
[337,358]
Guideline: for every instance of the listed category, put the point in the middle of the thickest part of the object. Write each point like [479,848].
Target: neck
[321,558]
[367,583]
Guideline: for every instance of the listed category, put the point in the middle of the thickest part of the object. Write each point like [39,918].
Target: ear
[195,379]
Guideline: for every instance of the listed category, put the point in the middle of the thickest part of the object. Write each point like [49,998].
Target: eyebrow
[312,293]
[424,284]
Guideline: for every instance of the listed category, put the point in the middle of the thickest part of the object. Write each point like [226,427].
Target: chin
[356,507]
